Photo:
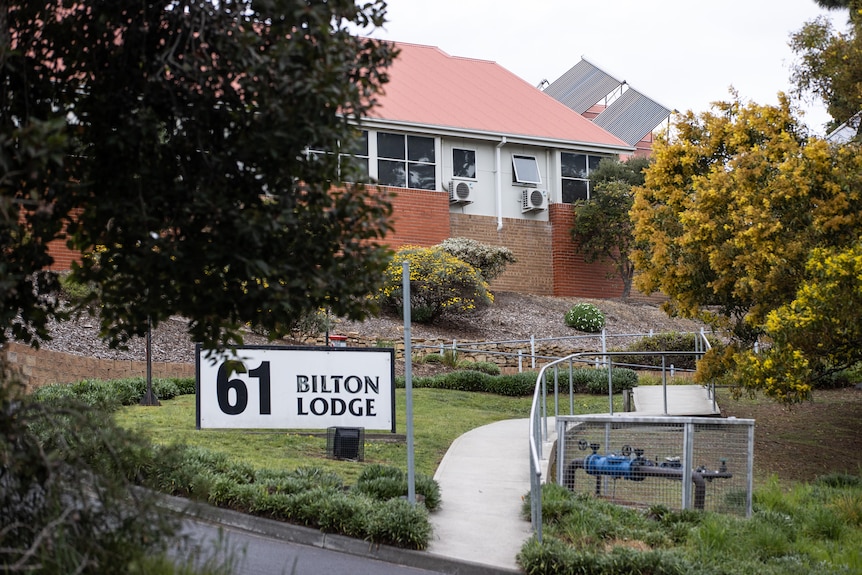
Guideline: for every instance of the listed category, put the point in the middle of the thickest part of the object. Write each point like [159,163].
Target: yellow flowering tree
[821,329]
[730,213]
[440,284]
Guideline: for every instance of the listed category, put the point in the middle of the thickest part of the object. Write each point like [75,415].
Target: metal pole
[610,389]
[664,383]
[545,404]
[750,462]
[149,397]
[533,350]
[556,391]
[687,463]
[408,382]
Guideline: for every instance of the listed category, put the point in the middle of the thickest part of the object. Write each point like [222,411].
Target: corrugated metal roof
[431,88]
[632,116]
[582,86]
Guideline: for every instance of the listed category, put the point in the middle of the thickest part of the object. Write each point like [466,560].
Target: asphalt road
[252,554]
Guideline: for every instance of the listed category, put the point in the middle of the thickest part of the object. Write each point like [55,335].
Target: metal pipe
[498,183]
[698,477]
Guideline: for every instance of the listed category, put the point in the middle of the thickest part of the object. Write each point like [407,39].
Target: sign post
[408,381]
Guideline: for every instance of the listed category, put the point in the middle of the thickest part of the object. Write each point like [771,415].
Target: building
[468,149]
[471,150]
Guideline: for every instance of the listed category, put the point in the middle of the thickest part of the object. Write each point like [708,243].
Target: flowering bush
[585,317]
[491,261]
[440,284]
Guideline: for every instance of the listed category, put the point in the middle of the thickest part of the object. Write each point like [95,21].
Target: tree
[169,137]
[831,63]
[728,217]
[603,229]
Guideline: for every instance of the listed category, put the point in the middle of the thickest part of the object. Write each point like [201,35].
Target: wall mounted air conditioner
[460,192]
[534,199]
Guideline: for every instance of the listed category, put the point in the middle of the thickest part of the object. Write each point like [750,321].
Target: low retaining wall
[503,354]
[38,367]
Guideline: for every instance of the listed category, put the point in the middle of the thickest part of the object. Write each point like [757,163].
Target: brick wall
[548,263]
[529,240]
[573,277]
[419,217]
[63,256]
[38,367]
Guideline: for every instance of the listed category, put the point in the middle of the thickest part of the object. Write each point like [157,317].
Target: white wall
[484,185]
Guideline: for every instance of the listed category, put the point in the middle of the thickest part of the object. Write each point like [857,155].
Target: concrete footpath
[484,478]
[680,400]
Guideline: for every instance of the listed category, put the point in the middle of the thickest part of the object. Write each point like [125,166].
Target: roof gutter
[498,184]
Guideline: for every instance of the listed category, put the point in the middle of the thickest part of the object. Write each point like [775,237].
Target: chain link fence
[679,462]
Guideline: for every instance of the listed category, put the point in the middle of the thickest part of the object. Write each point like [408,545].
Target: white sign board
[271,387]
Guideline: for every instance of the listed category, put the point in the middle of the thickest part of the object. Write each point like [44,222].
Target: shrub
[488,367]
[66,502]
[467,380]
[585,380]
[397,522]
[491,261]
[111,394]
[440,284]
[595,381]
[671,341]
[346,514]
[310,324]
[185,385]
[838,480]
[430,358]
[512,384]
[552,556]
[383,482]
[585,317]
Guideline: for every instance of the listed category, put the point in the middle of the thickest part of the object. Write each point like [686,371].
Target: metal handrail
[701,343]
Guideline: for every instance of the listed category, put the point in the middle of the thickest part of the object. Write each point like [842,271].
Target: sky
[684,54]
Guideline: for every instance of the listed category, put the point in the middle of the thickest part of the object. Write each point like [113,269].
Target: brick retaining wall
[38,367]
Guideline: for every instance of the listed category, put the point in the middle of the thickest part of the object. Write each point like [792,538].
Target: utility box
[346,443]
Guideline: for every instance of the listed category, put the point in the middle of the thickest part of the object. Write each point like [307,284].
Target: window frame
[589,159]
[408,160]
[466,152]
[309,152]
[516,177]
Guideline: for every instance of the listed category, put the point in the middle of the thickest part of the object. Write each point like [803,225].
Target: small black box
[346,443]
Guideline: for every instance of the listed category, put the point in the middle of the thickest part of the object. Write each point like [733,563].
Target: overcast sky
[684,54]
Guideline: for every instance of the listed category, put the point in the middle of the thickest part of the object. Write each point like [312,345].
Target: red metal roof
[432,88]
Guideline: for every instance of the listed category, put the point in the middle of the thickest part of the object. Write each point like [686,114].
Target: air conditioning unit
[534,199]
[460,192]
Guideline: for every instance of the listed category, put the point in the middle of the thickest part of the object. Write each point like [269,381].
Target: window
[406,161]
[356,154]
[463,163]
[525,170]
[575,169]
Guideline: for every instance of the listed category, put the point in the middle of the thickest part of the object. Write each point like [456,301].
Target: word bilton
[321,395]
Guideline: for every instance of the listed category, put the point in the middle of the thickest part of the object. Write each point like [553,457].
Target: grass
[439,417]
[806,530]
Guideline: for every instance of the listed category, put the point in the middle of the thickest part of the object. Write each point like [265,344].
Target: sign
[270,387]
